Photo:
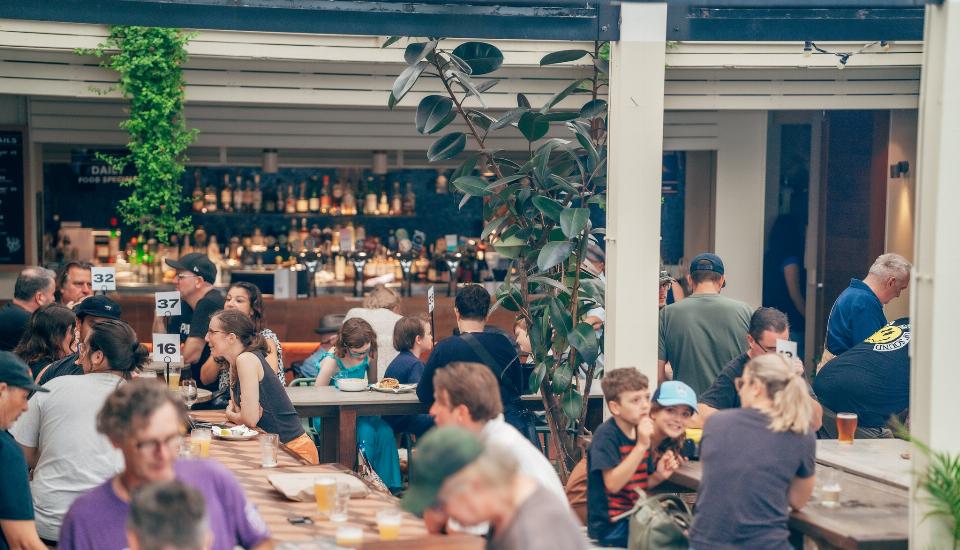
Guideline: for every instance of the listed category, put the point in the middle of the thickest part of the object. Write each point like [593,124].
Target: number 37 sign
[166,348]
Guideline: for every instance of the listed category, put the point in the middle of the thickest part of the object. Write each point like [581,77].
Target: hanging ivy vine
[149,61]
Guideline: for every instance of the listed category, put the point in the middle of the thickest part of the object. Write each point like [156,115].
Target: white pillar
[637,64]
[934,407]
[740,192]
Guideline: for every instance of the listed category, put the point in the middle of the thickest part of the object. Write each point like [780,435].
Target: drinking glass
[200,442]
[147,373]
[388,522]
[349,535]
[269,443]
[173,378]
[188,391]
[846,427]
[341,502]
[325,488]
[830,487]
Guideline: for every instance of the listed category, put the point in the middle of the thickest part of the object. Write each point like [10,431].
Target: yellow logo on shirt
[885,335]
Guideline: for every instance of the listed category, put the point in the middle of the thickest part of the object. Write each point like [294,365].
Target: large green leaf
[562,377]
[447,147]
[491,226]
[562,116]
[573,220]
[560,317]
[508,118]
[509,297]
[584,339]
[482,58]
[472,185]
[593,108]
[540,279]
[522,101]
[487,84]
[466,168]
[391,101]
[572,404]
[418,50]
[536,378]
[433,113]
[510,247]
[550,208]
[407,79]
[562,94]
[467,84]
[390,41]
[533,126]
[553,253]
[562,57]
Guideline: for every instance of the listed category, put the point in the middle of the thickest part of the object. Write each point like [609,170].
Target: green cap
[441,453]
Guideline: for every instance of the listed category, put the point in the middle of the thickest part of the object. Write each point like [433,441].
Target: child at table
[758,461]
[350,358]
[619,460]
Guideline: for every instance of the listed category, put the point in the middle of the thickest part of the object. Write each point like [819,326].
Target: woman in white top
[246,298]
[58,433]
[381,309]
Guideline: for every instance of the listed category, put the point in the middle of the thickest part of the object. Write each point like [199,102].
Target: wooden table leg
[347,448]
[329,439]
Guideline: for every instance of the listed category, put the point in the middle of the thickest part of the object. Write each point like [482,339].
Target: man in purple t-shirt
[142,419]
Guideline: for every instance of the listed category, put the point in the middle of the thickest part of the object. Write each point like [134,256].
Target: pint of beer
[325,491]
[846,427]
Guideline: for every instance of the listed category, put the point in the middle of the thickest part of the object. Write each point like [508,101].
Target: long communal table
[242,458]
[872,514]
[340,409]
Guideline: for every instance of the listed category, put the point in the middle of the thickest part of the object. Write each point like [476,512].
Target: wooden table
[242,458]
[877,459]
[871,515]
[340,409]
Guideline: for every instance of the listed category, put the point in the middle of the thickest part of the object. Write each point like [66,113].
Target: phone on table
[300,520]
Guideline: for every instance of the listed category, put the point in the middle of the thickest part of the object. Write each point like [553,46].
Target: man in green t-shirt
[704,331]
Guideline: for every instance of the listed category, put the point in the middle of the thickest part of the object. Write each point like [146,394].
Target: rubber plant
[537,210]
[149,62]
[939,483]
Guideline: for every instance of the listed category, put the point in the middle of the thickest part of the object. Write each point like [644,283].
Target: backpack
[658,522]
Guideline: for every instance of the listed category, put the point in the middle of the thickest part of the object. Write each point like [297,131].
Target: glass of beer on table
[325,491]
[846,427]
[200,442]
[388,522]
[173,378]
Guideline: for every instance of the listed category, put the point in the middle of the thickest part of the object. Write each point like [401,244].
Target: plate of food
[392,385]
[235,433]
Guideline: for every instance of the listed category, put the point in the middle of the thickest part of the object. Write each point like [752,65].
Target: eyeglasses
[358,354]
[182,276]
[762,347]
[151,446]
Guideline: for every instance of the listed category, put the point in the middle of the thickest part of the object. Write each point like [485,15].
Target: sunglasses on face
[357,353]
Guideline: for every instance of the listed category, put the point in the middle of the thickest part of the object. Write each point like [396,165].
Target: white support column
[637,63]
[741,188]
[934,407]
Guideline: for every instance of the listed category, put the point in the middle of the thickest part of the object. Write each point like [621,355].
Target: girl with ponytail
[758,461]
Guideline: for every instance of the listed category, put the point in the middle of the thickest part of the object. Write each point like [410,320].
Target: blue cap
[675,392]
[707,262]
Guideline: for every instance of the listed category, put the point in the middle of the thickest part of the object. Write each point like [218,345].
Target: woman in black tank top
[258,400]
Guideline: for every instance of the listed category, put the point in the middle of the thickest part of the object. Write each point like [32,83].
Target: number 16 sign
[166,348]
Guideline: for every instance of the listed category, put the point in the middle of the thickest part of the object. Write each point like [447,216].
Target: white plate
[247,435]
[402,388]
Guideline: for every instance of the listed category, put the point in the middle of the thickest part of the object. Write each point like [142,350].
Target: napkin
[299,487]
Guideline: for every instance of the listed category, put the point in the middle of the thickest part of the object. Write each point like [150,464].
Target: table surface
[242,458]
[329,395]
[877,459]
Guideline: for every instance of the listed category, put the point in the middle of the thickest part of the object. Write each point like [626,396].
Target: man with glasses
[142,419]
[767,325]
[200,300]
[75,283]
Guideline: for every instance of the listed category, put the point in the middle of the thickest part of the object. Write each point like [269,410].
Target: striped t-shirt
[609,448]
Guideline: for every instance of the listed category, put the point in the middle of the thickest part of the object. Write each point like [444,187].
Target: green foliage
[941,482]
[537,209]
[149,61]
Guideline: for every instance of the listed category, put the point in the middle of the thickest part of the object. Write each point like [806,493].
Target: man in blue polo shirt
[858,311]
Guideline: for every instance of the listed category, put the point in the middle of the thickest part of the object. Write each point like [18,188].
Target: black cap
[707,262]
[16,373]
[97,306]
[330,323]
[198,264]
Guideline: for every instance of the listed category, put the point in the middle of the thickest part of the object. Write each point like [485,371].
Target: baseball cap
[674,392]
[15,372]
[97,306]
[198,264]
[707,262]
[441,453]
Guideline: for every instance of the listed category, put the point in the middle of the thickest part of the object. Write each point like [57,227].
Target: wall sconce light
[899,169]
[270,161]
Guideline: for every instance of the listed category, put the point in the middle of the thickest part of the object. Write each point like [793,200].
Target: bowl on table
[352,384]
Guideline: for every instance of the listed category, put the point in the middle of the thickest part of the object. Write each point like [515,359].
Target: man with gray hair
[168,515]
[35,287]
[858,311]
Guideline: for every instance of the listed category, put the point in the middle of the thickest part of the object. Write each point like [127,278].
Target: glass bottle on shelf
[290,207]
[277,205]
[210,198]
[336,196]
[325,196]
[370,200]
[226,195]
[248,197]
[396,203]
[257,195]
[303,204]
[314,202]
[238,194]
[409,201]
[349,207]
[197,192]
[384,206]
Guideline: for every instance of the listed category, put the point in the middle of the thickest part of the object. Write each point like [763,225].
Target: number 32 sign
[166,348]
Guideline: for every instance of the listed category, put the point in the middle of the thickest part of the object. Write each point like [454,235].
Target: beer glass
[200,442]
[173,378]
[349,536]
[388,522]
[325,491]
[269,443]
[846,427]
[341,502]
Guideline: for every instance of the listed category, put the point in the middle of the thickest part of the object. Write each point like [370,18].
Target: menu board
[12,228]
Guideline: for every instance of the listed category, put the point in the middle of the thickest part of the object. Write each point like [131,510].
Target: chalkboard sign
[12,229]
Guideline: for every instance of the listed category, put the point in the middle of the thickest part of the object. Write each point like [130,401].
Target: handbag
[658,522]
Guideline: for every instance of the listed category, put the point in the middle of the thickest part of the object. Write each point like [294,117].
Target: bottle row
[370,197]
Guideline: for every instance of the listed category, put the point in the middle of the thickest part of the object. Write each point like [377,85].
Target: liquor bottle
[257,194]
[314,197]
[238,194]
[290,207]
[384,207]
[349,206]
[248,197]
[197,192]
[325,196]
[210,198]
[303,204]
[275,203]
[226,195]
[409,201]
[293,238]
[370,200]
[396,204]
[336,196]
[304,232]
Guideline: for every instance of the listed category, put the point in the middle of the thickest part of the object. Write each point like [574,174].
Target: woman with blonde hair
[381,309]
[758,461]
